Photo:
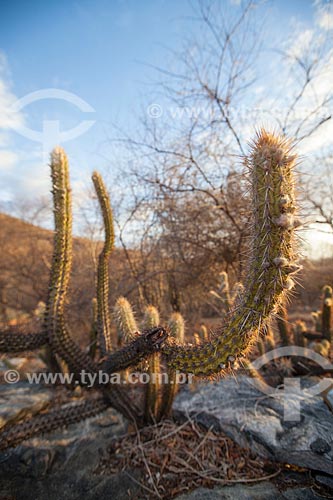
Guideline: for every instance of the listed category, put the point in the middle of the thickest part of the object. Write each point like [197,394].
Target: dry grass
[175,459]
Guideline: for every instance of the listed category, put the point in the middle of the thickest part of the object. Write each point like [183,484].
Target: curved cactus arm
[144,345]
[271,265]
[103,315]
[48,422]
[54,323]
[18,342]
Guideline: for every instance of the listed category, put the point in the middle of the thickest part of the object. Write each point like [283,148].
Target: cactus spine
[103,316]
[272,262]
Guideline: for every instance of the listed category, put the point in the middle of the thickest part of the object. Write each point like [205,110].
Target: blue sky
[99,50]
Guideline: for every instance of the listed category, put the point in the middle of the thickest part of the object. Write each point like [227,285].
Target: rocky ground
[260,454]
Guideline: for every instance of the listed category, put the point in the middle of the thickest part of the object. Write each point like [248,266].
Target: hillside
[25,260]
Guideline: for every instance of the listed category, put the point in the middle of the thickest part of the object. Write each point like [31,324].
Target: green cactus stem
[152,320]
[272,261]
[94,330]
[103,316]
[54,419]
[203,332]
[299,330]
[131,354]
[284,326]
[54,322]
[125,320]
[18,342]
[176,326]
[326,315]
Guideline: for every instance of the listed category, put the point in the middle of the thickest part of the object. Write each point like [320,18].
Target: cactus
[103,316]
[269,278]
[299,330]
[176,325]
[40,424]
[272,261]
[125,321]
[284,326]
[317,322]
[94,330]
[326,314]
[203,332]
[152,319]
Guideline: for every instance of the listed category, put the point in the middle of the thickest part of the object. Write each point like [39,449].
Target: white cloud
[8,119]
[324,15]
[301,44]
[7,159]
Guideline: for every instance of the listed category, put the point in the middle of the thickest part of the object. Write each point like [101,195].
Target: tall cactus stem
[152,319]
[103,315]
[327,313]
[54,322]
[272,261]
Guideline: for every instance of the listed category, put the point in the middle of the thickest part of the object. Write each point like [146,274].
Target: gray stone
[260,491]
[256,420]
[21,399]
[63,464]
[326,481]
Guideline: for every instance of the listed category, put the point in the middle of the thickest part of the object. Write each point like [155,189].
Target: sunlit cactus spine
[151,319]
[272,262]
[326,313]
[102,288]
[125,320]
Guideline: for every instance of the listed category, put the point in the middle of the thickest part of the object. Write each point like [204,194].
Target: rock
[261,491]
[21,399]
[324,480]
[62,464]
[256,420]
[329,399]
